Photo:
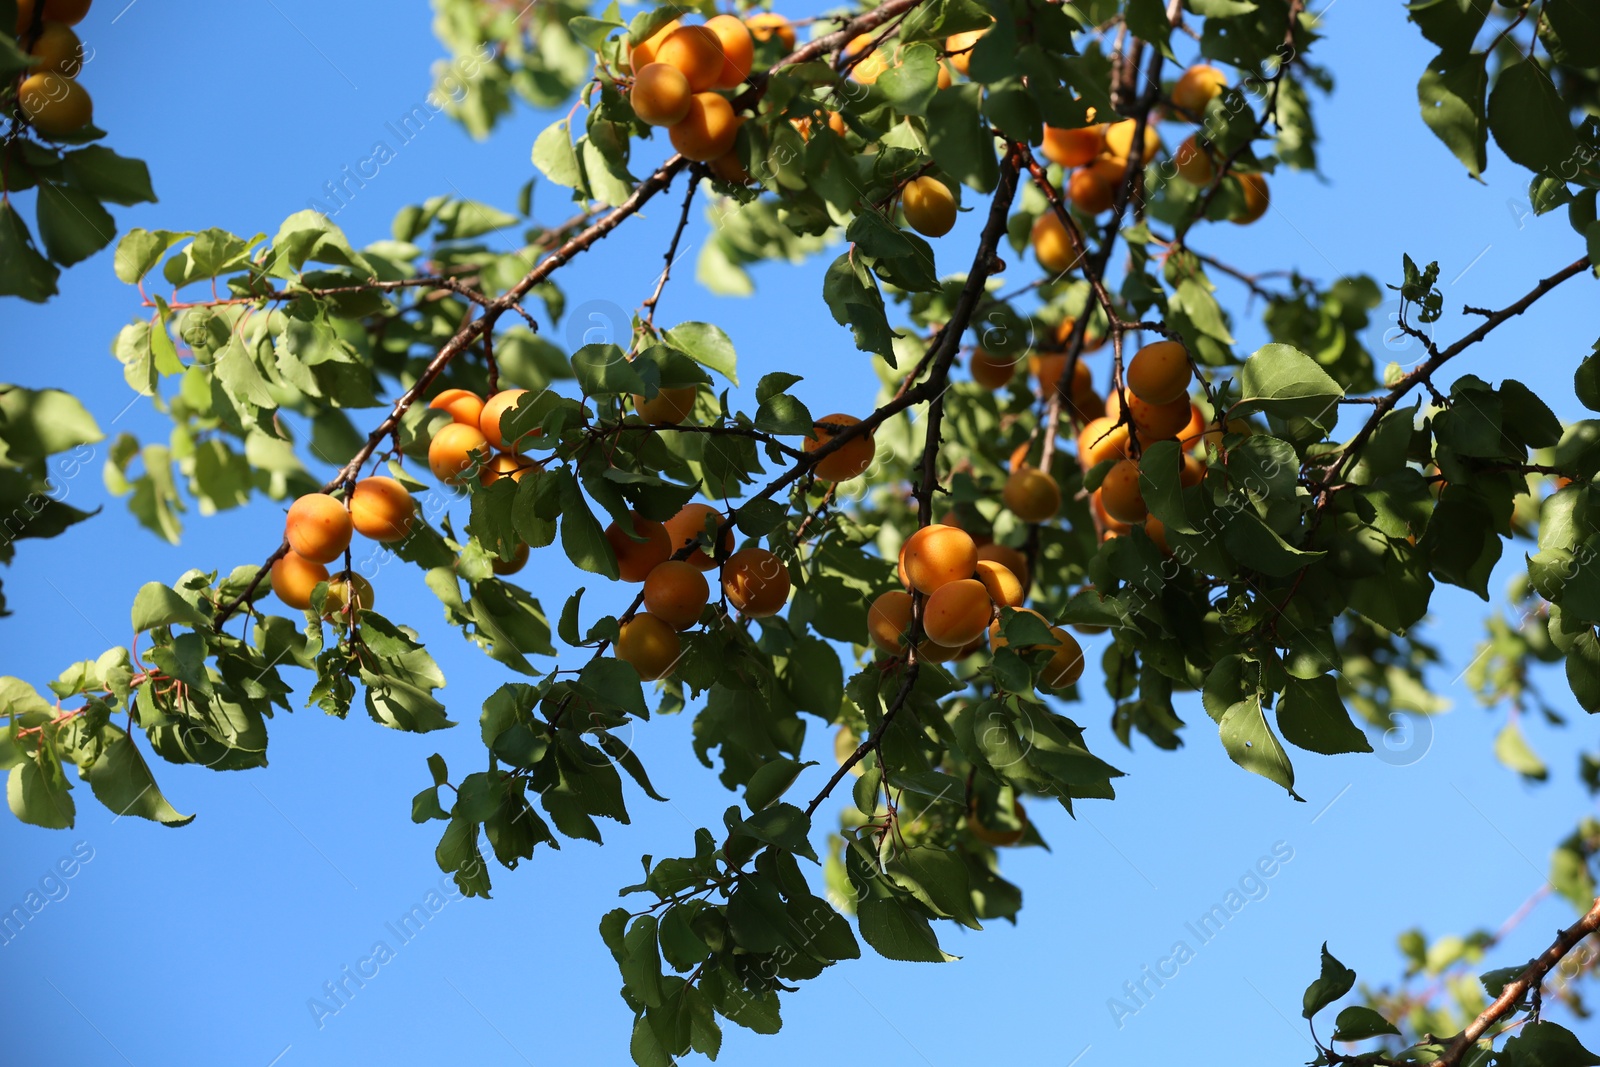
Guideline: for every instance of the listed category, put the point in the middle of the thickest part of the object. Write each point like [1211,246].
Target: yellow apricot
[672,404]
[847,461]
[644,53]
[1053,245]
[382,509]
[730,168]
[660,95]
[462,405]
[504,466]
[738,49]
[1197,87]
[756,581]
[1009,558]
[318,527]
[1112,527]
[494,410]
[688,527]
[1047,369]
[872,67]
[707,131]
[649,645]
[1031,495]
[992,372]
[1160,373]
[1157,532]
[765,25]
[1189,436]
[1119,140]
[958,46]
[1090,192]
[57,49]
[294,578]
[1065,665]
[1004,588]
[1257,198]
[636,559]
[518,560]
[1194,471]
[1074,147]
[455,448]
[1101,439]
[888,620]
[937,555]
[55,104]
[342,590]
[697,52]
[1119,492]
[1194,162]
[957,612]
[1153,422]
[1092,342]
[676,593]
[929,206]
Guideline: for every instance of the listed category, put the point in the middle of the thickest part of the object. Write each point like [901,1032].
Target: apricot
[1119,492]
[644,53]
[957,612]
[1193,472]
[504,466]
[937,555]
[1112,527]
[1031,494]
[1074,147]
[688,527]
[58,49]
[342,590]
[707,131]
[929,206]
[462,405]
[1157,532]
[738,49]
[730,168]
[636,559]
[888,621]
[697,52]
[518,560]
[1119,140]
[958,46]
[870,69]
[1053,245]
[756,581]
[660,95]
[992,372]
[1111,170]
[70,12]
[849,459]
[455,448]
[1212,438]
[294,578]
[1048,368]
[997,838]
[1065,665]
[1189,436]
[1257,198]
[1090,193]
[1092,342]
[1004,588]
[382,509]
[765,25]
[672,404]
[1160,373]
[676,593]
[494,410]
[1009,558]
[1194,162]
[55,104]
[997,638]
[1197,87]
[649,645]
[1101,439]
[1153,422]
[318,528]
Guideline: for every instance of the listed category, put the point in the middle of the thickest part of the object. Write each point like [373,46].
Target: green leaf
[122,781]
[857,304]
[911,82]
[23,271]
[1512,750]
[1335,981]
[783,414]
[1250,743]
[140,250]
[603,369]
[772,781]
[958,138]
[1545,1044]
[1358,1023]
[102,173]
[1285,381]
[40,797]
[556,158]
[582,537]
[1313,717]
[72,224]
[158,605]
[1583,670]
[1579,30]
[1258,546]
[707,345]
[1450,24]
[1451,94]
[1529,120]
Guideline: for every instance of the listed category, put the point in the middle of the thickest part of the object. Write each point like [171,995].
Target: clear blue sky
[203,945]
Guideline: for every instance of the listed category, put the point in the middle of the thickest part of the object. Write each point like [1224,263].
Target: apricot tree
[1258,536]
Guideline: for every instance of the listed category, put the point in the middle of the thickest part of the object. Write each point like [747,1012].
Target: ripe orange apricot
[342,590]
[850,459]
[707,131]
[644,53]
[676,593]
[1119,140]
[1092,341]
[1153,422]
[958,46]
[1160,373]
[929,206]
[957,612]
[697,52]
[1157,532]
[756,581]
[649,645]
[1101,439]
[518,560]
[888,620]
[55,104]
[1090,193]
[455,448]
[1257,198]
[1065,665]
[1004,588]
[672,404]
[1047,369]
[1074,147]
[765,25]
[504,466]
[70,12]
[1053,245]
[1112,527]
[1197,87]
[992,372]
[660,94]
[730,168]
[738,49]
[936,555]
[494,410]
[382,509]
[870,69]
[995,838]
[1189,436]
[1194,471]
[1009,558]
[1031,494]
[688,527]
[636,559]
[58,49]
[294,578]
[318,527]
[462,405]
[1194,162]
[1120,494]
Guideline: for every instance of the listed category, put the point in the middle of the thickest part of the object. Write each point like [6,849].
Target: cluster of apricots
[49,96]
[677,73]
[319,529]
[472,441]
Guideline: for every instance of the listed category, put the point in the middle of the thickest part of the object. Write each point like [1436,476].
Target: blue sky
[203,945]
